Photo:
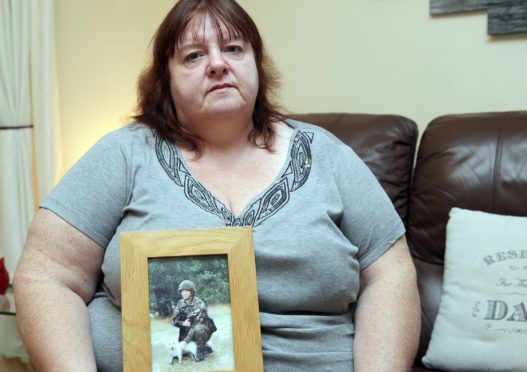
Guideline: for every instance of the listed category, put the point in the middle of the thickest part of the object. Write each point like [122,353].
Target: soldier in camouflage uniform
[190,316]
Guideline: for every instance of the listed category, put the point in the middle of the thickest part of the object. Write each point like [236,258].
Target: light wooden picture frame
[235,245]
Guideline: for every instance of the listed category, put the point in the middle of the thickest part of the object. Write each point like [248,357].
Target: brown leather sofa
[472,161]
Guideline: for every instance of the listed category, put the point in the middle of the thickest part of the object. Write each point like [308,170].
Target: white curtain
[16,185]
[26,118]
[44,92]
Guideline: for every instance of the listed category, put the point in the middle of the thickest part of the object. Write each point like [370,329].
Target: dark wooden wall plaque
[508,18]
[504,16]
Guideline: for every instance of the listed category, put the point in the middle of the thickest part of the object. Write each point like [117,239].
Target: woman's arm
[388,314]
[56,277]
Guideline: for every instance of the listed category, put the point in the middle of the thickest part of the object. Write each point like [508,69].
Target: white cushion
[482,320]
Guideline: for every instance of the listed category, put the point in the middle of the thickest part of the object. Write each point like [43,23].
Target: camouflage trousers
[199,334]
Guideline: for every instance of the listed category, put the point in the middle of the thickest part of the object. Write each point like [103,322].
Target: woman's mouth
[220,87]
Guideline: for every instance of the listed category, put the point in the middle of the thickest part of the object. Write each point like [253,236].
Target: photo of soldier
[186,293]
[191,317]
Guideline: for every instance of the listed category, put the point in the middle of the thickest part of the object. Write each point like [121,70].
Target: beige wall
[390,56]
[373,56]
[101,49]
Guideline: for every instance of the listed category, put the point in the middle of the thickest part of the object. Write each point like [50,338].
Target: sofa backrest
[475,161]
[386,143]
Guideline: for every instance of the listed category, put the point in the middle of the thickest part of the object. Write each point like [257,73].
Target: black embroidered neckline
[274,198]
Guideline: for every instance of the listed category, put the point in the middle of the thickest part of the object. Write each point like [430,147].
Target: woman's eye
[233,49]
[192,56]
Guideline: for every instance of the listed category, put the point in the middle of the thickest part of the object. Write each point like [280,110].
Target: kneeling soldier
[190,316]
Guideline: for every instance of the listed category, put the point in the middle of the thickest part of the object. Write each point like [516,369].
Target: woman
[209,149]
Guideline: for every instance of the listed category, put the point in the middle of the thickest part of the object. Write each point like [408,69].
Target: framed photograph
[189,300]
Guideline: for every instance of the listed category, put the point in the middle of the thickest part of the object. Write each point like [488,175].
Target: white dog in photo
[176,352]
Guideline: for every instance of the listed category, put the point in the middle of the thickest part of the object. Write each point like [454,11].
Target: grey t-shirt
[316,226]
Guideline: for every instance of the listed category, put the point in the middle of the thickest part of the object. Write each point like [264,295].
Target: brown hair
[155,106]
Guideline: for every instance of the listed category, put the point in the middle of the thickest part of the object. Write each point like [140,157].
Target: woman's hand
[57,275]
[186,323]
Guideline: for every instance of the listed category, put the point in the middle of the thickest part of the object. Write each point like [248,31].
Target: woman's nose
[217,64]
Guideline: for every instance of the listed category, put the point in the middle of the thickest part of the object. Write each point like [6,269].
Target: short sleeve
[92,195]
[369,218]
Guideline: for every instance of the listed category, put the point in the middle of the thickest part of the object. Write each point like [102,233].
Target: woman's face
[209,78]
